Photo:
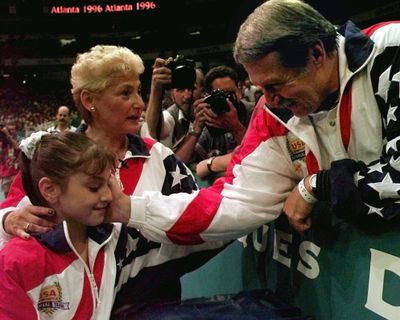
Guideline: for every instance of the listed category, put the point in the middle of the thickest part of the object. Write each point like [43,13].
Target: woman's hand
[22,221]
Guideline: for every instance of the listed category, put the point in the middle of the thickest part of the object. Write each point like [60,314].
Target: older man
[332,96]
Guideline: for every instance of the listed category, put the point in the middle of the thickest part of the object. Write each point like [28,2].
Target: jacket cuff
[323,189]
[4,236]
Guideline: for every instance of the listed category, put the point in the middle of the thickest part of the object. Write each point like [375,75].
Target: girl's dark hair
[58,156]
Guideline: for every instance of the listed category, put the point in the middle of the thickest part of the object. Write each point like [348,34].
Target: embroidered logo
[50,299]
[296,147]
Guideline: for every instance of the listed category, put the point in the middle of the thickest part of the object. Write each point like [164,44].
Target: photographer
[225,125]
[9,150]
[173,124]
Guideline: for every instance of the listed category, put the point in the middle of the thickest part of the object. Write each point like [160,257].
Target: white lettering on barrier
[381,261]
[308,251]
[308,265]
[261,246]
[281,241]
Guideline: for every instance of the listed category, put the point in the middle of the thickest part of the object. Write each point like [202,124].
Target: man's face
[300,92]
[62,116]
[228,85]
[182,97]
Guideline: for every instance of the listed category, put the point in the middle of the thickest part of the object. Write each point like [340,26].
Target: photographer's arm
[184,148]
[230,120]
[217,165]
[161,76]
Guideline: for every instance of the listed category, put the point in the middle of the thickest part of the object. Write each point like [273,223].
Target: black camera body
[218,103]
[183,72]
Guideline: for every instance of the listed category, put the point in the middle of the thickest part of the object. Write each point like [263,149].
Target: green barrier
[335,271]
[221,275]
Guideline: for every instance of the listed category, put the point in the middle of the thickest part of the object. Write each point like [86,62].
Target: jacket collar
[357,46]
[136,145]
[56,239]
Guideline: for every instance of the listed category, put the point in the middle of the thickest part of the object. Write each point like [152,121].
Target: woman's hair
[96,69]
[289,27]
[58,156]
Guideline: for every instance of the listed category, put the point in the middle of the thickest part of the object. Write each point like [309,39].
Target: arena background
[37,48]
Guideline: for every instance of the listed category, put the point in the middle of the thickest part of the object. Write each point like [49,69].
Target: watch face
[313,181]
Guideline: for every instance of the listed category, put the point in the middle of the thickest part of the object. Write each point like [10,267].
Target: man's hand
[199,112]
[22,221]
[298,211]
[228,121]
[119,210]
[161,75]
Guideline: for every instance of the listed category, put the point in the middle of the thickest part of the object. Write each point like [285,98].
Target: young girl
[69,272]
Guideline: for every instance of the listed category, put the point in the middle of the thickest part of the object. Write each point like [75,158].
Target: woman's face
[119,106]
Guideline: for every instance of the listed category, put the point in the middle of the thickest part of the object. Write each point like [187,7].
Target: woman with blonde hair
[106,89]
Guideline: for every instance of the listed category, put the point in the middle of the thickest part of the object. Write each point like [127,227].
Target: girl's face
[119,106]
[85,198]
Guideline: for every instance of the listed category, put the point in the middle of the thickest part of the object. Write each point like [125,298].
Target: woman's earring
[92,109]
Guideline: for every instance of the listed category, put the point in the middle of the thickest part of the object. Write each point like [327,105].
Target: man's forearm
[154,115]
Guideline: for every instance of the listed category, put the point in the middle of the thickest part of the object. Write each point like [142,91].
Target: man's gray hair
[289,27]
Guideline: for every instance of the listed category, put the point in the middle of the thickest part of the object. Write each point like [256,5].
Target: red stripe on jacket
[199,214]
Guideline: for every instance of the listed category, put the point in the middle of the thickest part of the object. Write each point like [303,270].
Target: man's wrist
[209,164]
[195,133]
[307,195]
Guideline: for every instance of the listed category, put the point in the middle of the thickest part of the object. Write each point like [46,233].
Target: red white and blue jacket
[354,146]
[127,267]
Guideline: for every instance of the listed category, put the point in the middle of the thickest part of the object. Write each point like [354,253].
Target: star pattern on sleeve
[384,83]
[357,177]
[177,176]
[392,144]
[391,116]
[376,167]
[386,188]
[395,163]
[396,78]
[372,210]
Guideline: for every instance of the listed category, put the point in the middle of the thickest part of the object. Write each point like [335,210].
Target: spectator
[63,121]
[224,130]
[251,93]
[173,123]
[9,151]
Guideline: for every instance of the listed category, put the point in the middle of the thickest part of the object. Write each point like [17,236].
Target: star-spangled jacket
[140,271]
[357,156]
[44,278]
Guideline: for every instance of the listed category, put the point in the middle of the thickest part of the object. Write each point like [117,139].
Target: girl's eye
[94,189]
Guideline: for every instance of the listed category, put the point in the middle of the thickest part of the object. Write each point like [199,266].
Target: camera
[183,72]
[218,103]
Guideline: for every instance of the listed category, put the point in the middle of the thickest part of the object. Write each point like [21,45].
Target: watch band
[305,194]
[194,133]
[209,164]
